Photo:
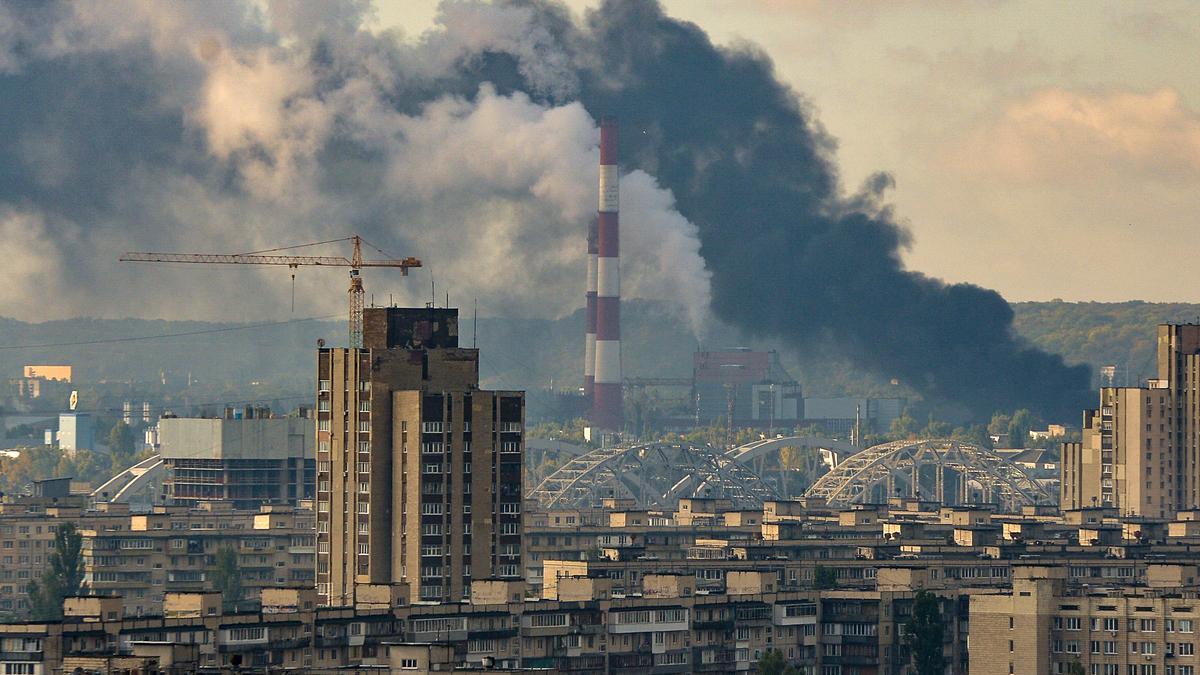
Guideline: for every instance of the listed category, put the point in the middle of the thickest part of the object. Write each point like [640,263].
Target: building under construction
[247,458]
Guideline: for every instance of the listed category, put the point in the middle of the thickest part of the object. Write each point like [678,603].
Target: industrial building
[248,461]
[840,416]
[1138,451]
[76,431]
[418,470]
[751,384]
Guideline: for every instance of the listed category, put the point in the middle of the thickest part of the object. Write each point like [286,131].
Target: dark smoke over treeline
[270,129]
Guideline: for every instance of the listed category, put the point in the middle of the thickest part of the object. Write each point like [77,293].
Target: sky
[1043,149]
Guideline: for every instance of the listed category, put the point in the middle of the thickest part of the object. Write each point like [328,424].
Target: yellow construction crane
[272,257]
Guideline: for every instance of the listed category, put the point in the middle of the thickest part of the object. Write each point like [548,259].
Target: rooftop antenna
[432,290]
[475,324]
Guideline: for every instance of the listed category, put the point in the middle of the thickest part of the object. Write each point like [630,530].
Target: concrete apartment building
[1138,449]
[1044,626]
[142,556]
[418,470]
[585,629]
[248,461]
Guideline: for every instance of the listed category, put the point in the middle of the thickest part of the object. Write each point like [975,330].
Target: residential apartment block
[142,556]
[418,470]
[1046,626]
[585,629]
[1138,451]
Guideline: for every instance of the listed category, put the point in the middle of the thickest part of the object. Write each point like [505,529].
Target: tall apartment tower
[418,470]
[1138,449]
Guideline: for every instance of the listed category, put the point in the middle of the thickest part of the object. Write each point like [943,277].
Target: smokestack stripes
[589,347]
[607,409]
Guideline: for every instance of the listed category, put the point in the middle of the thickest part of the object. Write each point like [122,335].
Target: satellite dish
[74,399]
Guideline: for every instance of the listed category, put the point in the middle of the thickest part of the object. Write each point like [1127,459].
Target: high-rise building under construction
[418,470]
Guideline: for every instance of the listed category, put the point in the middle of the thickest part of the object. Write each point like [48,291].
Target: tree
[63,578]
[1018,427]
[924,634]
[122,443]
[999,424]
[904,426]
[773,663]
[227,578]
[824,578]
[1076,668]
[936,428]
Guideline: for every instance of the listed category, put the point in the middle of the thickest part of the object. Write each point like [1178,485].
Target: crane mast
[355,262]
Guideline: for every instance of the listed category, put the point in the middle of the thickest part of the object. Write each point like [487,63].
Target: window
[364,427]
[431,427]
[323,405]
[364,549]
[1148,625]
[247,633]
[1072,623]
[1186,649]
[364,487]
[323,386]
[364,467]
[1185,625]
[322,425]
[364,406]
[431,509]
[408,664]
[364,508]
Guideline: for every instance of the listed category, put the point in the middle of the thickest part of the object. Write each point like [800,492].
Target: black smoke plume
[789,257]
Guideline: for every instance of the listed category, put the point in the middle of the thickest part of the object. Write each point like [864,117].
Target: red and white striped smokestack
[589,345]
[607,406]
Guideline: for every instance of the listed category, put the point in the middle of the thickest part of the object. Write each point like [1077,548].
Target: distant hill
[1102,333]
[527,353]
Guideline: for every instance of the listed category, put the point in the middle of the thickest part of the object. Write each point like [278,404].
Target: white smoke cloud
[494,192]
[31,278]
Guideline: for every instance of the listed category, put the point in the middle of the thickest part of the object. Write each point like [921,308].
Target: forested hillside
[1098,333]
[529,353]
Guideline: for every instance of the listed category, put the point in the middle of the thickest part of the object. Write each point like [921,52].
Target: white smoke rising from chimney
[493,191]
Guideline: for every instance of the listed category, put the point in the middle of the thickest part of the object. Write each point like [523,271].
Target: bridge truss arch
[654,476]
[945,470]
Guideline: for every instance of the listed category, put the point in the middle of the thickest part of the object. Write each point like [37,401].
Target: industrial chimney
[589,345]
[607,410]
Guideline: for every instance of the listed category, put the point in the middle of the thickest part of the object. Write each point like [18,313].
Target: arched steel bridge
[140,479]
[943,470]
[658,475]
